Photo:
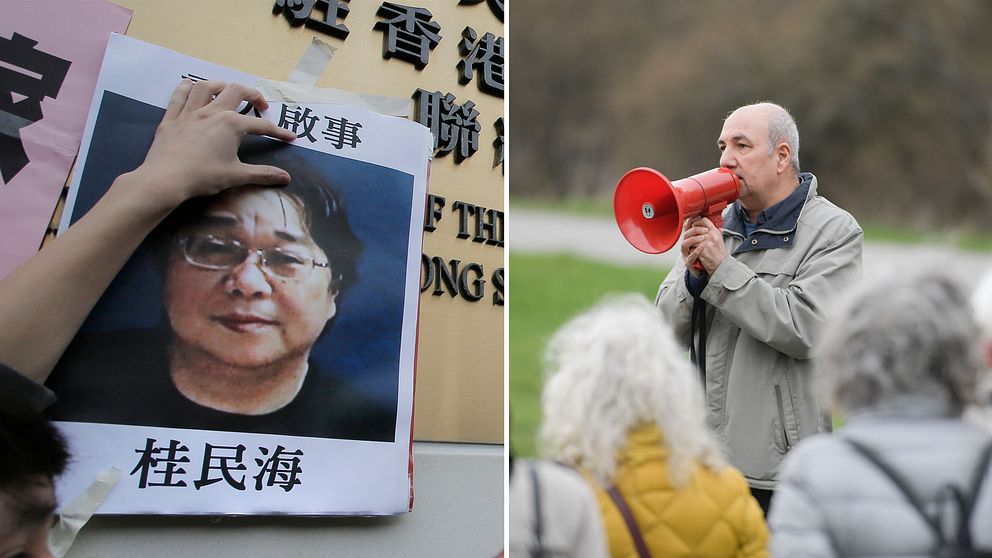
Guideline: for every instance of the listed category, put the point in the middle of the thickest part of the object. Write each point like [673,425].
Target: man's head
[253,275]
[906,336]
[33,453]
[760,143]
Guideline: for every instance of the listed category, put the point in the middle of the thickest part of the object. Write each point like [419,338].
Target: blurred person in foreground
[553,512]
[32,454]
[623,406]
[901,361]
[44,301]
[783,254]
[981,303]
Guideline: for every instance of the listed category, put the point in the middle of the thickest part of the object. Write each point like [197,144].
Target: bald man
[751,318]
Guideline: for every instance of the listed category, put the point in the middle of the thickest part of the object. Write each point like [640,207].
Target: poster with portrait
[256,354]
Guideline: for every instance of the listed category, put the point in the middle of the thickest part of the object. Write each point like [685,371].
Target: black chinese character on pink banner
[340,132]
[281,469]
[486,56]
[300,12]
[222,459]
[292,119]
[151,457]
[454,126]
[27,76]
[495,5]
[408,34]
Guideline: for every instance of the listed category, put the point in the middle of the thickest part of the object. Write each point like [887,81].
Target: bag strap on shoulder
[872,456]
[538,527]
[977,479]
[966,503]
[628,518]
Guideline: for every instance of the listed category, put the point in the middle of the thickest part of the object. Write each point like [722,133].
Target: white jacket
[831,501]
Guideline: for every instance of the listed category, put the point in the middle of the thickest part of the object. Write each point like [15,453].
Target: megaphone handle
[716,215]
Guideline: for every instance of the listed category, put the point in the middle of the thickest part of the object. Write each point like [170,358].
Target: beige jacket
[767,303]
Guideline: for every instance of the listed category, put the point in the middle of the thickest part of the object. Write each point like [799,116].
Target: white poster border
[344,477]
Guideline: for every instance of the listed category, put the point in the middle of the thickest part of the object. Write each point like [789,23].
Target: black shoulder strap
[977,479]
[966,502]
[536,487]
[697,326]
[628,518]
[900,483]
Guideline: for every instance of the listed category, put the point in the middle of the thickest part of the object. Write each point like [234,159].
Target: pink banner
[50,56]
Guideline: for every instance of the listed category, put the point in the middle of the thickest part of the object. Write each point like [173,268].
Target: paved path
[599,238]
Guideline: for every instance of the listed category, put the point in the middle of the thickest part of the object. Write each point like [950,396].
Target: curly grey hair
[615,368]
[907,335]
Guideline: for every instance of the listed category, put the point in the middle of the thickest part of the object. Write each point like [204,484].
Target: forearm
[46,300]
[777,316]
[789,317]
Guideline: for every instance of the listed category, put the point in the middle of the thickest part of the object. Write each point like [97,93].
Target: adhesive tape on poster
[295,93]
[301,89]
[311,66]
[77,513]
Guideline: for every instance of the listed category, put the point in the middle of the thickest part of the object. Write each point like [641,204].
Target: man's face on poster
[246,284]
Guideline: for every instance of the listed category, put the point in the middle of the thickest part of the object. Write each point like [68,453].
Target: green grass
[545,291]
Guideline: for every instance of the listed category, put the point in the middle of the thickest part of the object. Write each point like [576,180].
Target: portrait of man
[256,310]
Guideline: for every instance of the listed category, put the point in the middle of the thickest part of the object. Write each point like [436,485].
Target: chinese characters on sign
[410,34]
[49,61]
[166,466]
[495,5]
[486,56]
[300,12]
[454,126]
[339,131]
[38,75]
[498,142]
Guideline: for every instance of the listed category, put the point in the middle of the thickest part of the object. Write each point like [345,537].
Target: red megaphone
[650,209]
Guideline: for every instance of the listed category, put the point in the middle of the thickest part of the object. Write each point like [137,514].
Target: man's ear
[783,157]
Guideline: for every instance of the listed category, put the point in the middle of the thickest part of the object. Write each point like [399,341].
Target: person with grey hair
[903,476]
[981,304]
[623,407]
[753,316]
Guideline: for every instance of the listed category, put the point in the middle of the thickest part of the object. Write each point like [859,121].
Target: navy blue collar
[776,224]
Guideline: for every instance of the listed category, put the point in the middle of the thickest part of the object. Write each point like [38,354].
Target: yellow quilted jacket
[712,515]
